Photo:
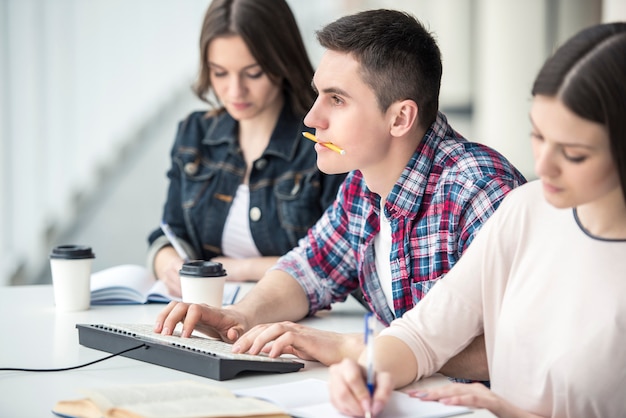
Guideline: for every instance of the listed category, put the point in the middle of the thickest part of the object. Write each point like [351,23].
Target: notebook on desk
[196,355]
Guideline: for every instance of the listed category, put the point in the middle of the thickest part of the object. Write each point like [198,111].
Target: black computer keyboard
[198,355]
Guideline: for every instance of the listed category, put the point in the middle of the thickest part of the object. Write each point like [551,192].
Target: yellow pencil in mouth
[328,145]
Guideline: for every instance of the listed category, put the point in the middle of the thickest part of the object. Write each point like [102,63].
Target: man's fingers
[257,339]
[192,315]
[160,319]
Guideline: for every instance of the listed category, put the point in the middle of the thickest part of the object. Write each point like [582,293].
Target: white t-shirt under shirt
[237,241]
[382,251]
[552,303]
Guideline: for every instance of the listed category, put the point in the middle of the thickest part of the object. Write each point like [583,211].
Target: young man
[415,196]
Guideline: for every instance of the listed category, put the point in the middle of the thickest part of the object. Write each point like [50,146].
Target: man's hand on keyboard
[226,324]
[277,297]
[304,342]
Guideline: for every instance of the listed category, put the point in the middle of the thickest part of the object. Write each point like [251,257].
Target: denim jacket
[288,193]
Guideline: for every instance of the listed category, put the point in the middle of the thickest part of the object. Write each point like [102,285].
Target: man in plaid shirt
[415,196]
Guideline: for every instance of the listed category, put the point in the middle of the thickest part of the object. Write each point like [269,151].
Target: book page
[83,408]
[231,290]
[201,407]
[182,399]
[128,282]
[159,294]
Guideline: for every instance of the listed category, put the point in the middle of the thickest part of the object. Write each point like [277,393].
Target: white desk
[35,336]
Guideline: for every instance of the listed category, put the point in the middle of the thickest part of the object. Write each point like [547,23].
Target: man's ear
[403,117]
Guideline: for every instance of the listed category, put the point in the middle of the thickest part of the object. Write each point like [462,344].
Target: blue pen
[174,241]
[369,343]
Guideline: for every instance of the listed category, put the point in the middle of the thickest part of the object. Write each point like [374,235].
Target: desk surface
[36,336]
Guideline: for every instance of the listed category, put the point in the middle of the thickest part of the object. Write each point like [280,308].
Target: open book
[182,399]
[134,284]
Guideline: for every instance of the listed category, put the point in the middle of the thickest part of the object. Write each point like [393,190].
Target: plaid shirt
[446,192]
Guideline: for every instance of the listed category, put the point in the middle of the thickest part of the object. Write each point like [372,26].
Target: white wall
[513,39]
[613,10]
[79,79]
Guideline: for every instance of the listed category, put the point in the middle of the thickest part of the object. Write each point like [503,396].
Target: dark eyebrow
[336,90]
[330,90]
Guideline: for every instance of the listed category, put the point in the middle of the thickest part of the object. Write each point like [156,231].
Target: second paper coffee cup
[203,282]
[70,266]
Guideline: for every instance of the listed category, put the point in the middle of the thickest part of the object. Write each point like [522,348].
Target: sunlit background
[91,93]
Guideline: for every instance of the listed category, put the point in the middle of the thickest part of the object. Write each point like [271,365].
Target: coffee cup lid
[72,252]
[202,268]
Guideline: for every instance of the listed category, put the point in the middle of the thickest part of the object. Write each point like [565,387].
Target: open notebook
[309,398]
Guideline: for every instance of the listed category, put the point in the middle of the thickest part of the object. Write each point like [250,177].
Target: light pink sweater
[551,301]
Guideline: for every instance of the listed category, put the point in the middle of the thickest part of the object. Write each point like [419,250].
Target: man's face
[346,113]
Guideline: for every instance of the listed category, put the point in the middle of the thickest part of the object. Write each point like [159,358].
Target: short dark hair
[588,75]
[270,31]
[399,58]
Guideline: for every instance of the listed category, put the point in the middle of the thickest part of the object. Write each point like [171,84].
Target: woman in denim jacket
[244,184]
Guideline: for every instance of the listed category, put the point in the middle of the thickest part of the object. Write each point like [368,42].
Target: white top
[237,241]
[382,251]
[552,302]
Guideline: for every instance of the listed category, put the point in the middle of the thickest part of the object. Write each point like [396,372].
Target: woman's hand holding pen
[349,387]
[349,392]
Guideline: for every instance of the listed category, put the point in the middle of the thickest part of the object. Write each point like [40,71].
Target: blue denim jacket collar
[283,143]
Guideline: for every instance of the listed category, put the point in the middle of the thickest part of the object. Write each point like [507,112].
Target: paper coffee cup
[70,266]
[203,282]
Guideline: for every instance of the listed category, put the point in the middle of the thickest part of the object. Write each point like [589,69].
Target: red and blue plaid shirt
[446,192]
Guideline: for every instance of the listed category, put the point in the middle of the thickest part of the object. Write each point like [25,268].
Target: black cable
[6,369]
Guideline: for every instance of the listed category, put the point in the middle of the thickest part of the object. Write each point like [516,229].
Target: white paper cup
[70,266]
[203,282]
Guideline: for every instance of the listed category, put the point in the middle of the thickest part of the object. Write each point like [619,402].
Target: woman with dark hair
[244,184]
[544,278]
